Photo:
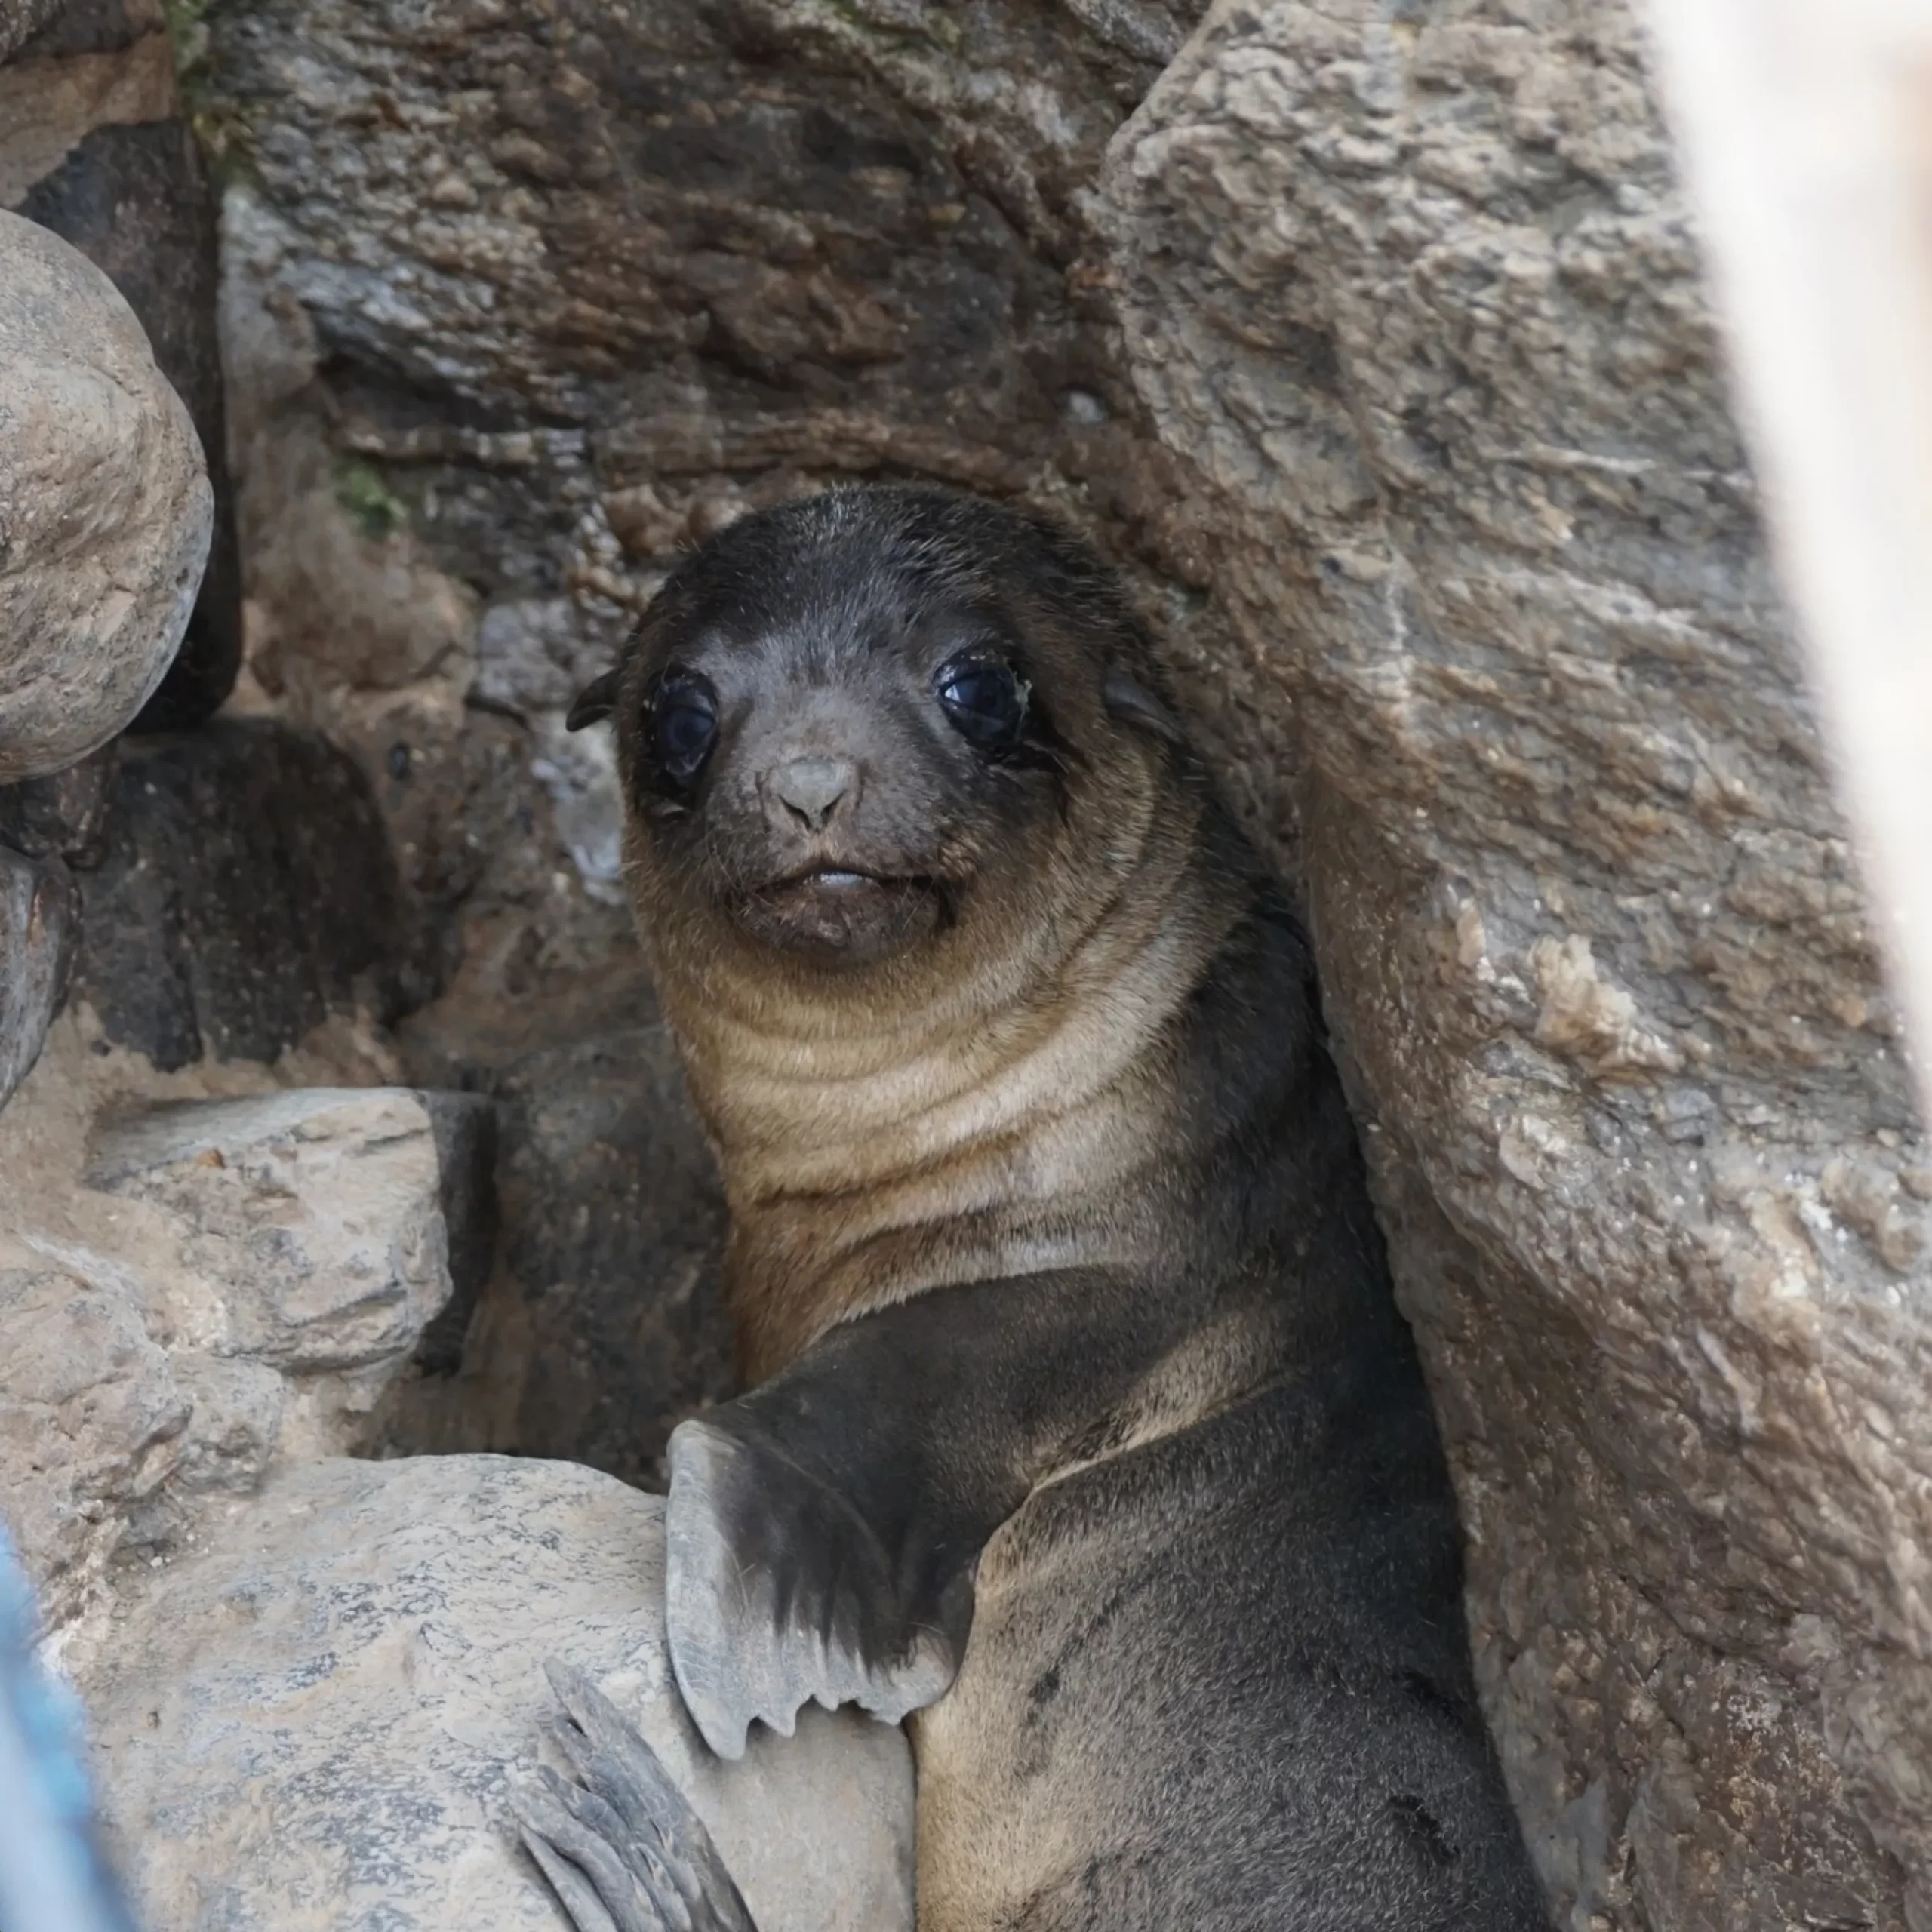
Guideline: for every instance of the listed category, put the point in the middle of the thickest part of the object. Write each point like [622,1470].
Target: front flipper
[781,1587]
[823,1531]
[622,1849]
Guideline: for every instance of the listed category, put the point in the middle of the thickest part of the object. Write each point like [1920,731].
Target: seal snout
[803,793]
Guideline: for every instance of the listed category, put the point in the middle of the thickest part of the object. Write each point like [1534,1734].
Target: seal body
[1083,1424]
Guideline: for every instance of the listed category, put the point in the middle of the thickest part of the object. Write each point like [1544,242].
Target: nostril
[811,788]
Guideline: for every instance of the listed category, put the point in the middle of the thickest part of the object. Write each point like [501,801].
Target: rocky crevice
[1370,342]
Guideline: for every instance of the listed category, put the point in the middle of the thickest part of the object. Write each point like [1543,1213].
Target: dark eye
[985,701]
[684,725]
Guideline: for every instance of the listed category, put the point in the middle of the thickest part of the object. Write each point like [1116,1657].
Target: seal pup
[1083,1424]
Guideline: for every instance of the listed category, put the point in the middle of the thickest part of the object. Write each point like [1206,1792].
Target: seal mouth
[843,915]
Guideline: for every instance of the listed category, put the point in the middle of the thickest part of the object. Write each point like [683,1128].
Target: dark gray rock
[612,1222]
[63,816]
[37,928]
[19,19]
[616,1224]
[248,890]
[465,1127]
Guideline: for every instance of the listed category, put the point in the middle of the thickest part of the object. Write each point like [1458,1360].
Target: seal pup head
[921,867]
[869,735]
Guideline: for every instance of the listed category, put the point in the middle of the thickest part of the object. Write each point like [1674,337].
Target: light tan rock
[1417,302]
[105,508]
[232,1286]
[91,1420]
[313,1216]
[314,1722]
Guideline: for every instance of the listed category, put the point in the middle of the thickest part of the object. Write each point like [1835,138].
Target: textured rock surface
[62,815]
[20,18]
[315,1216]
[608,275]
[104,504]
[315,1723]
[93,147]
[36,950]
[1417,304]
[194,1292]
[247,891]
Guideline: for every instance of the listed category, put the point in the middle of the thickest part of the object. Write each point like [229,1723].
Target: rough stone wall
[1368,336]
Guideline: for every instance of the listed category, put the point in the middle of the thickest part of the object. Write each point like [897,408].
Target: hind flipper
[622,1848]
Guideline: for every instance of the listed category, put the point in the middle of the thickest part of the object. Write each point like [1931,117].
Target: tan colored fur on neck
[986,1125]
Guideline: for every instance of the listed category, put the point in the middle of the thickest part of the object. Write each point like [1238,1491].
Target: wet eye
[684,725]
[985,701]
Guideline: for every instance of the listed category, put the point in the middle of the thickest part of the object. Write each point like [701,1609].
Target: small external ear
[595,702]
[1128,700]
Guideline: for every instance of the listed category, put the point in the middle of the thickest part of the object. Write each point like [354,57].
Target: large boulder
[1418,307]
[104,504]
[94,146]
[315,1723]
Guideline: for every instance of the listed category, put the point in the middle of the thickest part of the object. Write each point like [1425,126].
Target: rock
[559,354]
[94,149]
[63,815]
[92,1420]
[105,500]
[248,891]
[217,1289]
[314,1722]
[21,18]
[314,1218]
[1420,312]
[607,1328]
[536,653]
[138,202]
[91,64]
[36,950]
